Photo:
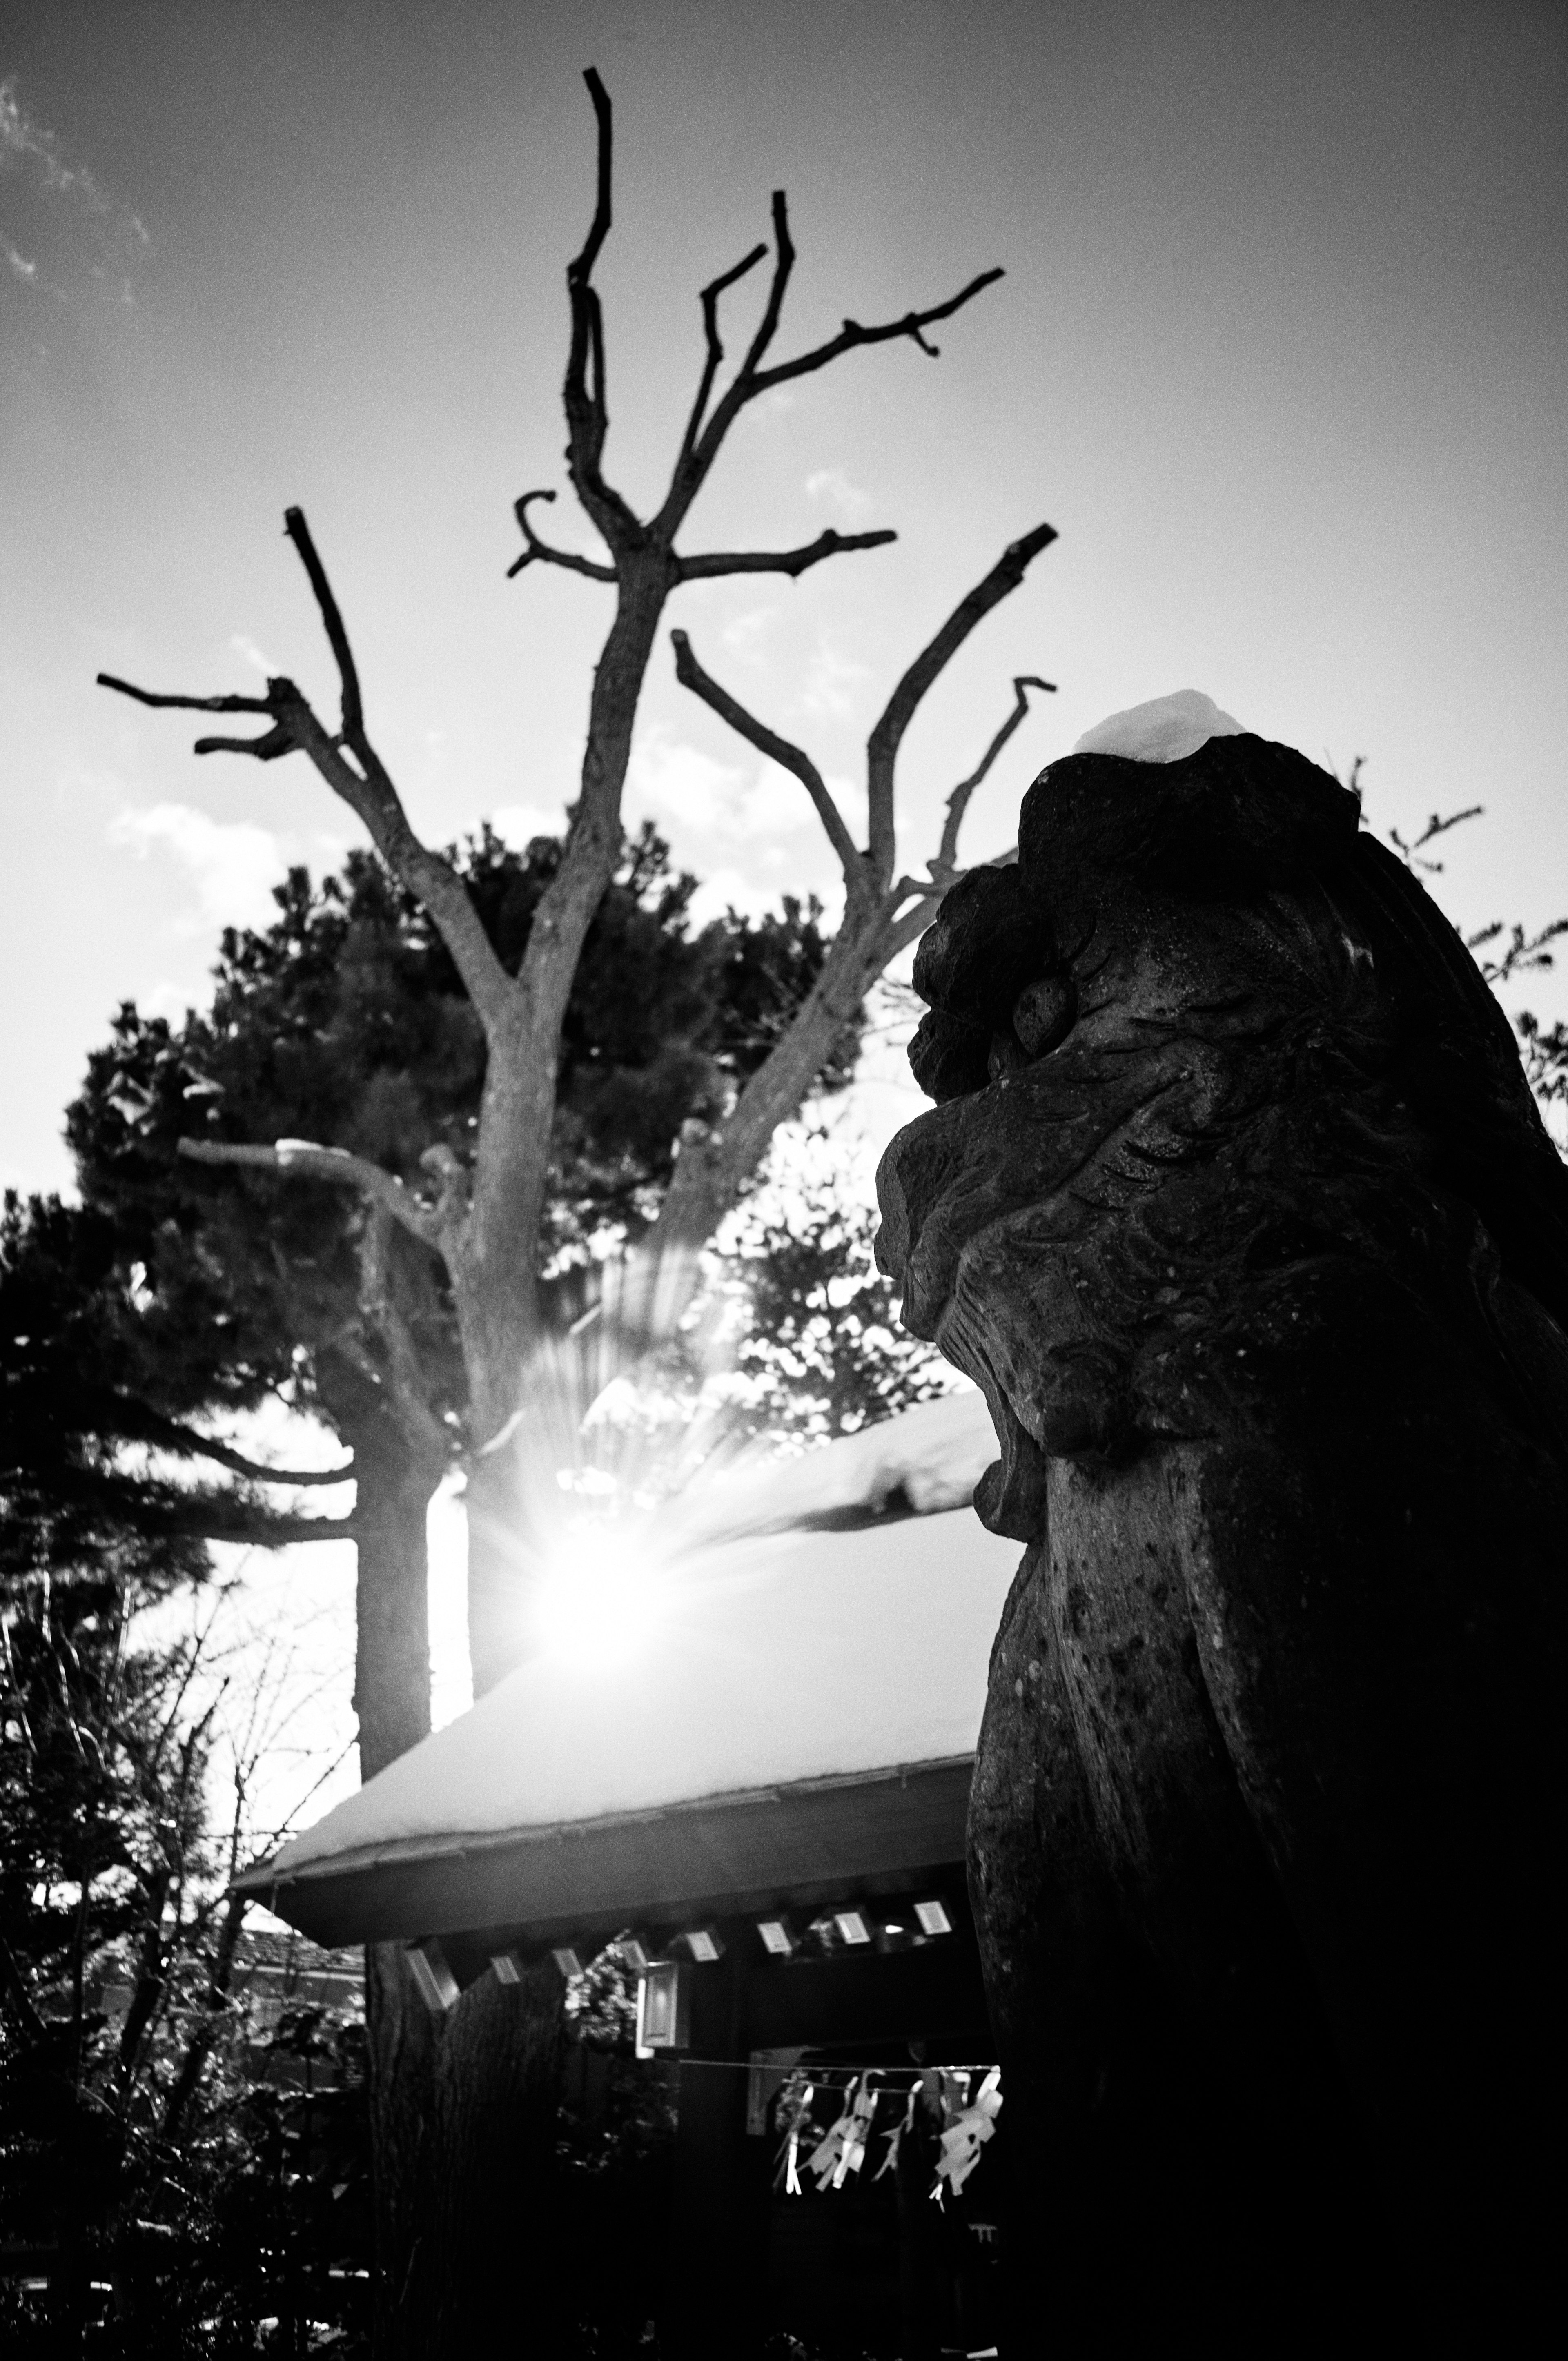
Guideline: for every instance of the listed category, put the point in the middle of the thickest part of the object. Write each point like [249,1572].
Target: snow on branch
[305,1160]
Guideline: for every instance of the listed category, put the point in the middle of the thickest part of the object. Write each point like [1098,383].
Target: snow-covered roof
[926,1459]
[790,1656]
[1165,730]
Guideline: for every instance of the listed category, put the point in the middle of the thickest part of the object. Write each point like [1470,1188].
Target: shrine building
[749,1754]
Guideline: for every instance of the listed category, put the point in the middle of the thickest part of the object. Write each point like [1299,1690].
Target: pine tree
[345,1023]
[101,1403]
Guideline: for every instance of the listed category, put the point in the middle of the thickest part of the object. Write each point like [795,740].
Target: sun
[600,1595]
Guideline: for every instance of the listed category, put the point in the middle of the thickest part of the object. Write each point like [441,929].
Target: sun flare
[600,1595]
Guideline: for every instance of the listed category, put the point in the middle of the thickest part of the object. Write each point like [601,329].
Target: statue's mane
[1245,822]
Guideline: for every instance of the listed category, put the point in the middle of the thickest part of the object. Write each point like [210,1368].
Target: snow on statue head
[1235,1203]
[1163,731]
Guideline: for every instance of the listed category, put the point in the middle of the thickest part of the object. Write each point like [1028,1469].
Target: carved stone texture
[1237,1206]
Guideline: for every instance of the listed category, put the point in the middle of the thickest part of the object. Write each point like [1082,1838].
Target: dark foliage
[615,2152]
[823,1352]
[344,1023]
[176,2165]
[89,1363]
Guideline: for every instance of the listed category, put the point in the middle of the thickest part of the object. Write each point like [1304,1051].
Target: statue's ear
[989,939]
[1239,817]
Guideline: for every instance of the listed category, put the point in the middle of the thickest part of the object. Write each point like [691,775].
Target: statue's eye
[1043,1014]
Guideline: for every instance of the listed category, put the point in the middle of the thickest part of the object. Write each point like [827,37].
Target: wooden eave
[788,1846]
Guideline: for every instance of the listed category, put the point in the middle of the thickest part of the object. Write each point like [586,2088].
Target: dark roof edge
[263,1881]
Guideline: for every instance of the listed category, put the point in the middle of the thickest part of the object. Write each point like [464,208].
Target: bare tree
[483,1217]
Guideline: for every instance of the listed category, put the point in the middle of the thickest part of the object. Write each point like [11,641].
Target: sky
[1279,352]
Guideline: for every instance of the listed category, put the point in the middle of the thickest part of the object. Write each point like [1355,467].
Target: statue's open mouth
[1011,1496]
[978,1232]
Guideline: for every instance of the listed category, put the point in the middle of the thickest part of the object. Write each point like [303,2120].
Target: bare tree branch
[1411,853]
[702,442]
[882,747]
[299,533]
[779,561]
[367,789]
[280,741]
[370,792]
[876,925]
[186,704]
[959,801]
[710,295]
[174,1435]
[1522,953]
[690,675]
[852,333]
[265,749]
[598,228]
[546,553]
[584,392]
[699,451]
[303,1159]
[908,929]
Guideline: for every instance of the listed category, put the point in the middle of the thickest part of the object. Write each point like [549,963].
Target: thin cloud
[775,404]
[232,864]
[89,240]
[519,824]
[245,647]
[830,681]
[830,487]
[166,999]
[749,832]
[24,142]
[718,809]
[744,634]
[684,785]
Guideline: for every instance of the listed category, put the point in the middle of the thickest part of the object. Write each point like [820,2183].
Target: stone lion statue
[1236,1202]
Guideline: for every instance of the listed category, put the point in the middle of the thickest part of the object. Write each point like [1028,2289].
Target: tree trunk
[395,1485]
[497,2091]
[496,1502]
[403,2038]
[396,1482]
